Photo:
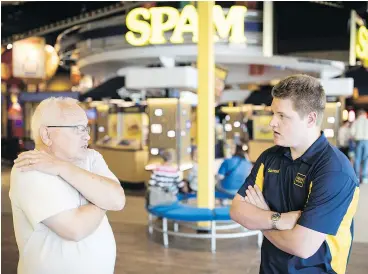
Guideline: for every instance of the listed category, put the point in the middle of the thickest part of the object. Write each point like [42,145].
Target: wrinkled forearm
[89,218]
[76,224]
[101,191]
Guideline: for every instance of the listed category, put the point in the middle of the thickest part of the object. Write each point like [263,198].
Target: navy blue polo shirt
[322,184]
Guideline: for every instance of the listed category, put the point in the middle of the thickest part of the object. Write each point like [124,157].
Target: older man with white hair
[60,193]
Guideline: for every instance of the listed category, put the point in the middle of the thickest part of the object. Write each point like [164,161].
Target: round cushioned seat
[222,213]
[190,213]
[218,195]
[181,212]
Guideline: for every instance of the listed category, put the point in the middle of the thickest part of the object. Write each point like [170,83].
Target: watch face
[276,216]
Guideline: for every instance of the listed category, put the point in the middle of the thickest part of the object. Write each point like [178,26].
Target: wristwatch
[275,217]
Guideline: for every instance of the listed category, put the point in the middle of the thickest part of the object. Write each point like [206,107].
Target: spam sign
[361,48]
[148,26]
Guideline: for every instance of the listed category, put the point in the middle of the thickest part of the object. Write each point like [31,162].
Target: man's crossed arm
[73,224]
[102,191]
[76,224]
[253,213]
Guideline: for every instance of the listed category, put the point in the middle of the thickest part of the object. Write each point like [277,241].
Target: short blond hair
[49,112]
[306,93]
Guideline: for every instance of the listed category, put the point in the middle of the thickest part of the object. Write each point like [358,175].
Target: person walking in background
[359,131]
[344,137]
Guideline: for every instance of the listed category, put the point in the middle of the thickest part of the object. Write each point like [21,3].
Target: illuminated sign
[361,47]
[164,19]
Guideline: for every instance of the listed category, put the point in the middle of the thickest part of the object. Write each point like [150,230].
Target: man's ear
[45,136]
[312,119]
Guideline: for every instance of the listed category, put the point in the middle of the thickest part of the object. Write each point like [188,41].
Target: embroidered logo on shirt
[299,180]
[273,170]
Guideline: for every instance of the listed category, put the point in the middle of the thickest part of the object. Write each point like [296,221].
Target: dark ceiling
[20,17]
[314,16]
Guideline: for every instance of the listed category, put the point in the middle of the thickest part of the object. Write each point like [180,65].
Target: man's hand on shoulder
[39,161]
[255,197]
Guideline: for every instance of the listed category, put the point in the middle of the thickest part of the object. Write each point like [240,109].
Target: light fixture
[9,46]
[331,120]
[101,129]
[329,133]
[227,118]
[154,151]
[345,115]
[188,124]
[171,134]
[228,127]
[351,116]
[158,112]
[49,48]
[236,124]
[156,128]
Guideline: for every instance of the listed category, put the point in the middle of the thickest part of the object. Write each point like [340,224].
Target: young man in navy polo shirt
[303,192]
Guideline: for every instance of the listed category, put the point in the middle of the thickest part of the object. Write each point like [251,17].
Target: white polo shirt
[36,196]
[359,129]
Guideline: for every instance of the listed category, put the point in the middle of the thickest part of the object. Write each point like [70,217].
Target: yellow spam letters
[148,26]
[361,48]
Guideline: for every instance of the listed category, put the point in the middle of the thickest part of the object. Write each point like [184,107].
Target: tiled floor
[140,253]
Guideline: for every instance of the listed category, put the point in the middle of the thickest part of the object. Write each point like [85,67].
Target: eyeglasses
[79,129]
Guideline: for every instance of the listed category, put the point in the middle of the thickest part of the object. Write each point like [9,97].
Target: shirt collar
[314,149]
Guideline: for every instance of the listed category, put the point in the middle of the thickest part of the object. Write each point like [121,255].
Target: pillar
[206,106]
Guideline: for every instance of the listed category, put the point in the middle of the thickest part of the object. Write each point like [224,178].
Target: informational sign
[151,25]
[132,126]
[29,58]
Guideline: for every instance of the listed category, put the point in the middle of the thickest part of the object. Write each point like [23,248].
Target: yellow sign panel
[132,124]
[164,19]
[261,127]
[361,47]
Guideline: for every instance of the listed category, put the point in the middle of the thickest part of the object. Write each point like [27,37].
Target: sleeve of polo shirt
[333,197]
[256,175]
[223,167]
[100,167]
[41,196]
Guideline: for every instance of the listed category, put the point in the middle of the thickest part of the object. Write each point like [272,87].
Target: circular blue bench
[181,212]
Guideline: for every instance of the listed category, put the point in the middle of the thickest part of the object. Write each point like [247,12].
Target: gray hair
[48,112]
